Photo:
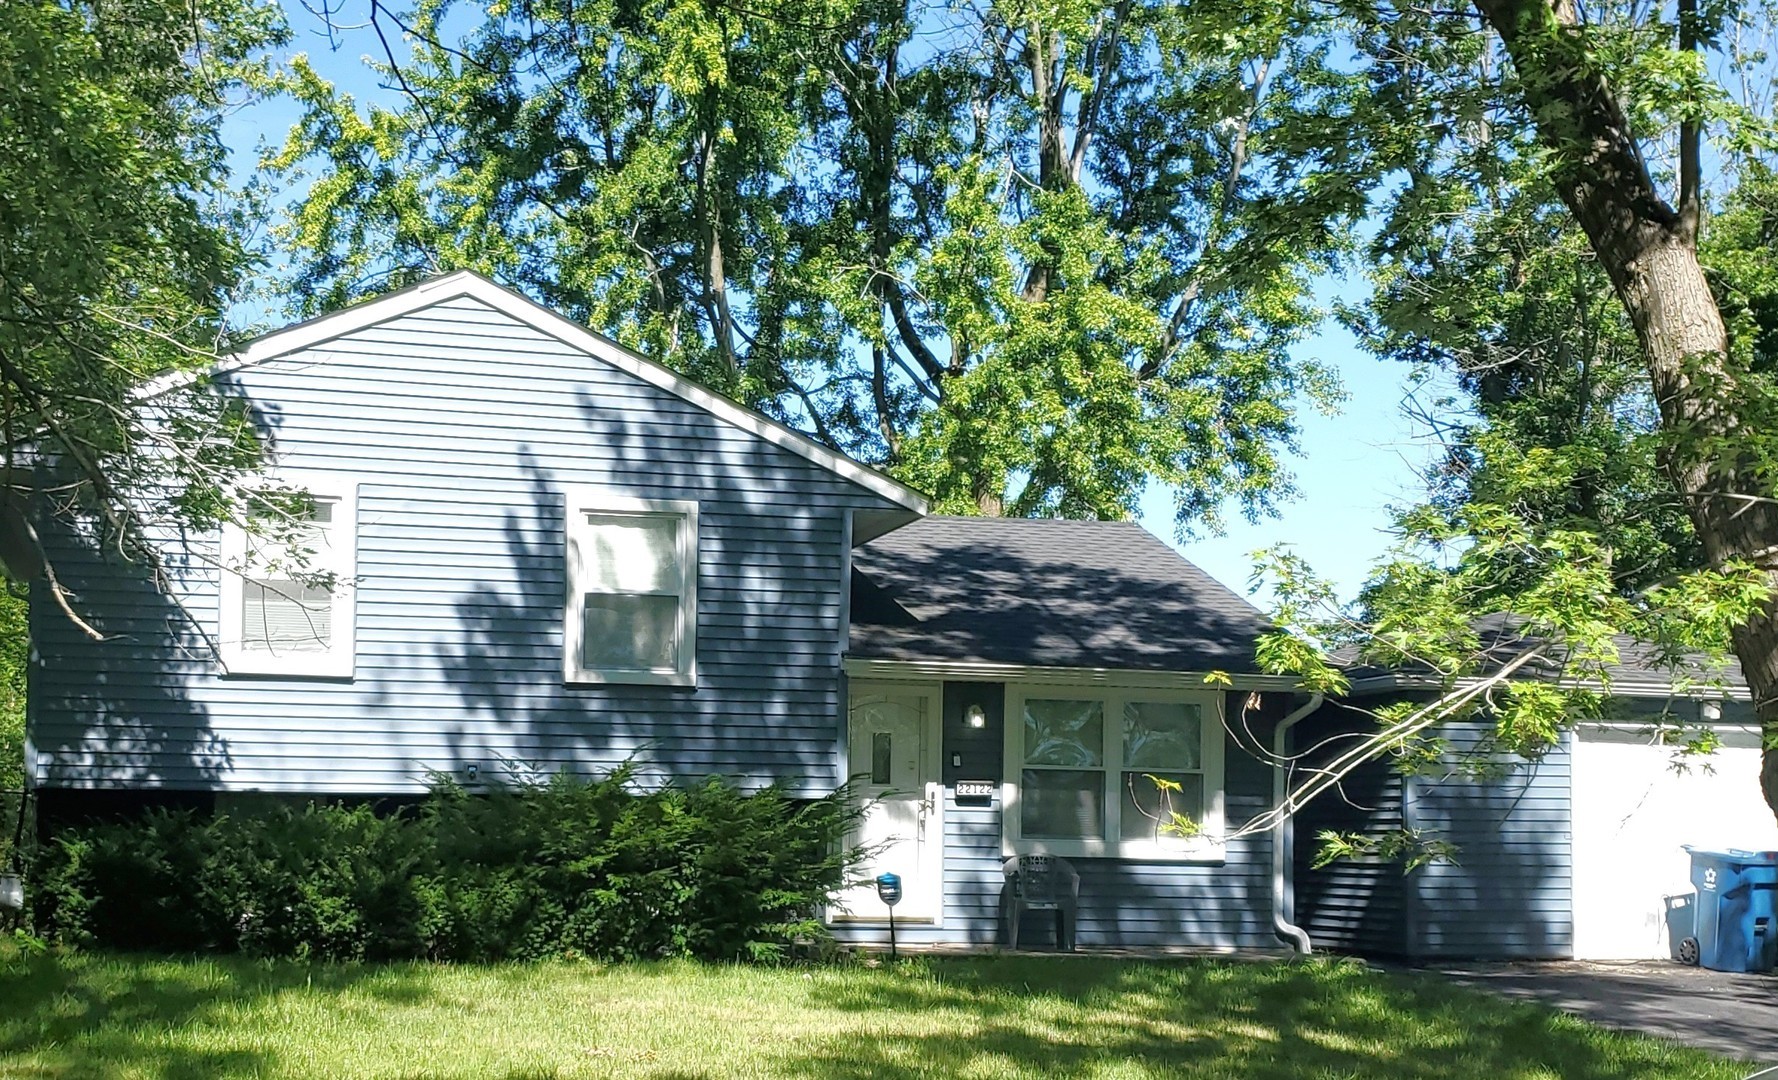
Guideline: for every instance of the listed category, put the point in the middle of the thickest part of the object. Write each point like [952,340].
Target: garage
[1633,808]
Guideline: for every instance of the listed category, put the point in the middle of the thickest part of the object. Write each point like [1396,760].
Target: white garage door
[1632,811]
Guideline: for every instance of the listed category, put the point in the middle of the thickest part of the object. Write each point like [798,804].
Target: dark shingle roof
[1044,593]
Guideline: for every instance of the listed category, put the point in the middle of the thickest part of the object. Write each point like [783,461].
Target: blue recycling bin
[1737,909]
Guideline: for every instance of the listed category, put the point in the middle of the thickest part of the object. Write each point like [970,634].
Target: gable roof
[1044,593]
[463,283]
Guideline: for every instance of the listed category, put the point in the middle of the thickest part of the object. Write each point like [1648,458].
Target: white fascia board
[975,670]
[325,328]
[1618,688]
[1635,728]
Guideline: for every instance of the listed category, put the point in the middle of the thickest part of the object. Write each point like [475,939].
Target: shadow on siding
[116,707]
[481,684]
[766,705]
[1508,892]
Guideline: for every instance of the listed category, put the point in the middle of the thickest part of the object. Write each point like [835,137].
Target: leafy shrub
[572,867]
[15,648]
[12,801]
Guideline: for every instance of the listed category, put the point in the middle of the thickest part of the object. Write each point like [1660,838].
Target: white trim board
[1621,688]
[465,283]
[982,671]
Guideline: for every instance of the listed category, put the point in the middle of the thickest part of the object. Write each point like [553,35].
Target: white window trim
[338,662]
[1209,846]
[580,501]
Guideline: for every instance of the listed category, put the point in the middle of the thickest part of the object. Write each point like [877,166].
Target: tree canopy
[1604,302]
[121,239]
[1029,258]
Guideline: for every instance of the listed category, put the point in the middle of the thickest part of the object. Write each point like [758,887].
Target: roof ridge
[1021,519]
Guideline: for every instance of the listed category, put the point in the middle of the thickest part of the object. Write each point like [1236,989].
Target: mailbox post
[889,892]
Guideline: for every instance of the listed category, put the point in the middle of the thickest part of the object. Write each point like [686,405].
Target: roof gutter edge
[990,671]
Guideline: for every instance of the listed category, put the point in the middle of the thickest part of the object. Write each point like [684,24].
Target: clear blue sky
[1350,469]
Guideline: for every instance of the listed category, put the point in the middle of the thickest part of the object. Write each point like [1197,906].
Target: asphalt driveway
[1735,1015]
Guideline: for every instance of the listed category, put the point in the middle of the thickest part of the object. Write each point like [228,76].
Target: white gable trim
[463,283]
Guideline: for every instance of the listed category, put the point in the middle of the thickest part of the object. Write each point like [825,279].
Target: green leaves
[121,240]
[1031,264]
[1168,820]
[1410,848]
[567,867]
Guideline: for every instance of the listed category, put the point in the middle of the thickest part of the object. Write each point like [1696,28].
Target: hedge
[574,867]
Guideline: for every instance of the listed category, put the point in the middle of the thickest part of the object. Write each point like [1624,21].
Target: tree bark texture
[1650,252]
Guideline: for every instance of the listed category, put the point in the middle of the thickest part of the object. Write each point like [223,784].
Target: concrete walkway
[1733,1015]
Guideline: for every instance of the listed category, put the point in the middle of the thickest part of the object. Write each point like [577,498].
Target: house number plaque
[977,790]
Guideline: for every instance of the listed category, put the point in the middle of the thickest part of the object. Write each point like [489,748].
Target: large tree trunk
[1650,251]
[1685,345]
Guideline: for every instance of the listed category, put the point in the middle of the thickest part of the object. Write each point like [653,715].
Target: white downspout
[1283,896]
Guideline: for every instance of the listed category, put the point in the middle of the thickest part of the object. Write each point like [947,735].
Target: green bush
[573,867]
[15,649]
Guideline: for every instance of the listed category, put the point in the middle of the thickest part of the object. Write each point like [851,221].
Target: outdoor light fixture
[975,717]
[889,892]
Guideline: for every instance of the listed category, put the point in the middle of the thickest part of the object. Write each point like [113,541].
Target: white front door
[894,767]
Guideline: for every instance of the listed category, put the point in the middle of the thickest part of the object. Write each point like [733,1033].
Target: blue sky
[1349,470]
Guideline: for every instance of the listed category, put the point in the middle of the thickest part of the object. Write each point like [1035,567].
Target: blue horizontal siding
[971,886]
[464,427]
[1509,895]
[1354,904]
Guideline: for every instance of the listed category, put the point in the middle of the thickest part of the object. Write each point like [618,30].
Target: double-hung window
[287,590]
[632,608]
[1103,771]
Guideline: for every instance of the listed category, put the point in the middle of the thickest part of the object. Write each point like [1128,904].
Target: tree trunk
[1685,343]
[1650,252]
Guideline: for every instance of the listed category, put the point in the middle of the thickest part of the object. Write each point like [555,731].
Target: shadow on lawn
[98,1014]
[1254,1020]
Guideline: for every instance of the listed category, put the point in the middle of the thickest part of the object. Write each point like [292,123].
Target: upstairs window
[287,590]
[632,610]
[1101,772]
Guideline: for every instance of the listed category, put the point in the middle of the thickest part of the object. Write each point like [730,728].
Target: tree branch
[1105,52]
[1225,206]
[1690,136]
[879,389]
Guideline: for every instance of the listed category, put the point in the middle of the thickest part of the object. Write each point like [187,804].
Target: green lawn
[68,1016]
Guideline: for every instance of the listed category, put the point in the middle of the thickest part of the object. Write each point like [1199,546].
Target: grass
[111,1016]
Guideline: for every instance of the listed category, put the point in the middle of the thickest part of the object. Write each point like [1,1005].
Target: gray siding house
[529,550]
